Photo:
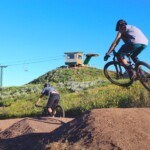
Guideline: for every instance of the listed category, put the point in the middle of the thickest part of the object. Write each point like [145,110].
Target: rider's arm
[115,43]
[38,100]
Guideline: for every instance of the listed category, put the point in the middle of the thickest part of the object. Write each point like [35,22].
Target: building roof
[73,52]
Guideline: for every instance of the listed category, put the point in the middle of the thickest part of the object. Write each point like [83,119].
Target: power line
[34,62]
[52,57]
[31,61]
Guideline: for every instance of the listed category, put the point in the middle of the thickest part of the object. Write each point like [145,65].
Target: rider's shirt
[133,35]
[48,90]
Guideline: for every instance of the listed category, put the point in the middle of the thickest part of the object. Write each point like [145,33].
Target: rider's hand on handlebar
[106,57]
[37,105]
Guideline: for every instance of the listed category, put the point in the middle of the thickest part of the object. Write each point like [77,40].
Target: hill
[81,89]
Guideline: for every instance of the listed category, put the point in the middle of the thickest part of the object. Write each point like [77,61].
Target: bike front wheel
[143,71]
[59,111]
[117,74]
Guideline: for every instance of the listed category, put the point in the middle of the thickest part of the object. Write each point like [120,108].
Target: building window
[70,56]
[79,57]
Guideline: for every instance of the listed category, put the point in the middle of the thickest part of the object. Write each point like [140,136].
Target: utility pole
[1,75]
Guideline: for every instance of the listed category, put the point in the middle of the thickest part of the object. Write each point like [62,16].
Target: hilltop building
[76,59]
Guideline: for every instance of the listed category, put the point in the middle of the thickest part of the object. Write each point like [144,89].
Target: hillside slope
[70,74]
[81,89]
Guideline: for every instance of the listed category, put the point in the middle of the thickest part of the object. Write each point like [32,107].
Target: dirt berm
[98,129]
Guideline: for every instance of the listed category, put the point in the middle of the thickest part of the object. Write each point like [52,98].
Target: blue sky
[35,34]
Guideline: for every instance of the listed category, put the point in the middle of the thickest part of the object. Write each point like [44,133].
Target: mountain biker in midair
[53,98]
[134,42]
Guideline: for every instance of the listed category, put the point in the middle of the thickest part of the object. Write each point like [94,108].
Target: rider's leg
[57,98]
[50,110]
[138,48]
[122,60]
[123,51]
[50,104]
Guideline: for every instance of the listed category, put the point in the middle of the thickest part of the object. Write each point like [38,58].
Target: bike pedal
[135,78]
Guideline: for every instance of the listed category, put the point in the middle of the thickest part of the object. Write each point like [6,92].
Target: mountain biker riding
[53,98]
[134,42]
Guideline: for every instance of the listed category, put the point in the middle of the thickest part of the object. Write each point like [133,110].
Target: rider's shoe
[51,115]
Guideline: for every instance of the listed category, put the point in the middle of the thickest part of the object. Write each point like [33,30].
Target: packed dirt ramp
[103,129]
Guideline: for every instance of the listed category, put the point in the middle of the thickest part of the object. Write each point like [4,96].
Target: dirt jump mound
[106,129]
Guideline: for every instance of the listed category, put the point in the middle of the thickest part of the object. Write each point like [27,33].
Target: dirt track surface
[103,129]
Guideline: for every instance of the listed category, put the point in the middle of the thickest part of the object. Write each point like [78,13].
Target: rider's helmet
[120,22]
[46,85]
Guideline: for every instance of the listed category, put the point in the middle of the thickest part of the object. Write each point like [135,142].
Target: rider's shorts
[53,100]
[133,49]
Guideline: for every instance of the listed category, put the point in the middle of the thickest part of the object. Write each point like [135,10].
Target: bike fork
[118,70]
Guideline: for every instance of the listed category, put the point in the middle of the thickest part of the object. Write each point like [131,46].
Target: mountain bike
[58,109]
[120,75]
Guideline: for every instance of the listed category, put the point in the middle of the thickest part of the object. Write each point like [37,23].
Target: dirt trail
[106,129]
[39,124]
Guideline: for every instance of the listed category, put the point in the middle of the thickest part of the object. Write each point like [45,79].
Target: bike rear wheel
[143,71]
[59,111]
[117,74]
